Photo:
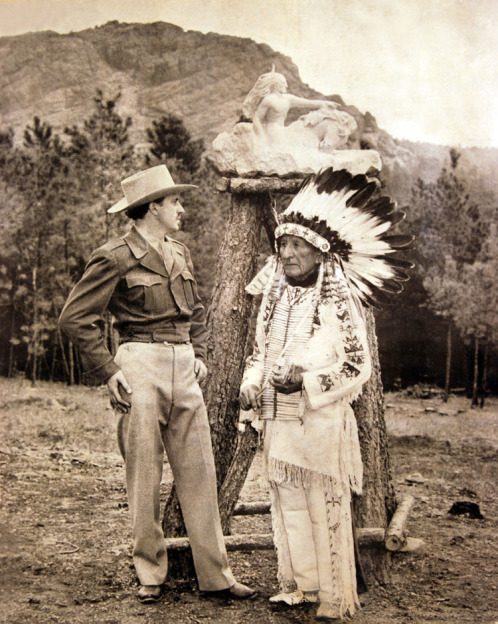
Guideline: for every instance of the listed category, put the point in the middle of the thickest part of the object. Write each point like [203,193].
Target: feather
[400,262]
[397,217]
[361,197]
[398,240]
[345,210]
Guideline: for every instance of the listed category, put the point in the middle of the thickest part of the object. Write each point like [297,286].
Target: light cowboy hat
[146,186]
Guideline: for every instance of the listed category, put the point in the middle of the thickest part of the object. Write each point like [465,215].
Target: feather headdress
[337,213]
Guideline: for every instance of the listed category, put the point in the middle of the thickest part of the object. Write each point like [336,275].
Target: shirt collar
[154,241]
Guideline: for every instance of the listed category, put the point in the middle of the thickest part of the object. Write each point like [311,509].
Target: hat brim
[123,204]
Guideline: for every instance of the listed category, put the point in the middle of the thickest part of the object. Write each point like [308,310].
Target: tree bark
[377,504]
[228,322]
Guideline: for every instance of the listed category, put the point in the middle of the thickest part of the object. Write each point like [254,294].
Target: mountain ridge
[160,68]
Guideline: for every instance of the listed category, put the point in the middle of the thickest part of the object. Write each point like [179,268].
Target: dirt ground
[65,534]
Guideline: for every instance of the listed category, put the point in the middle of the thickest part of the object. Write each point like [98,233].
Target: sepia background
[91,91]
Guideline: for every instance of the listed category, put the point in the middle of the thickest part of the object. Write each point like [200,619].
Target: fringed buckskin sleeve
[352,366]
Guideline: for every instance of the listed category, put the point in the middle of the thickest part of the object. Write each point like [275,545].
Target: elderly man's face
[298,257]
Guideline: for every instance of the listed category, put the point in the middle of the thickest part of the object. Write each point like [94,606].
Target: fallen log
[370,536]
[251,541]
[264,541]
[249,509]
[396,537]
[413,545]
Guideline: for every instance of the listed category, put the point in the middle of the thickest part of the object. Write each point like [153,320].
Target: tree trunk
[475,383]
[484,375]
[63,354]
[235,477]
[448,364]
[54,360]
[12,365]
[377,505]
[71,364]
[35,344]
[228,324]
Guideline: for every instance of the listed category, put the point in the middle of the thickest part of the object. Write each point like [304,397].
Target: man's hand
[250,397]
[118,387]
[200,370]
[289,381]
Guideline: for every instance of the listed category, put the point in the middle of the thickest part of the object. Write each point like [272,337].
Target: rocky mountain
[157,67]
[204,78]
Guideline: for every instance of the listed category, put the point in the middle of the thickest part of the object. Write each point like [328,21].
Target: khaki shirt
[129,278]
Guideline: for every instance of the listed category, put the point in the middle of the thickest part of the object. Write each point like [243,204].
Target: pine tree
[57,215]
[103,155]
[170,139]
[447,225]
[475,301]
[35,173]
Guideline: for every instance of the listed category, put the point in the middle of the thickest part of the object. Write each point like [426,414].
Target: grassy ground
[65,535]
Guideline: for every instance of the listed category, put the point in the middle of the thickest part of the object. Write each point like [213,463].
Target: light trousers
[318,541]
[168,414]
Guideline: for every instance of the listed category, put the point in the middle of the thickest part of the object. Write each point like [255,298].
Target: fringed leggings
[314,540]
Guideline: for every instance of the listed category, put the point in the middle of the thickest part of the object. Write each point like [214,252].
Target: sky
[426,69]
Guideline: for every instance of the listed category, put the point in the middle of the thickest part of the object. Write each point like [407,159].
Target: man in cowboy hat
[145,279]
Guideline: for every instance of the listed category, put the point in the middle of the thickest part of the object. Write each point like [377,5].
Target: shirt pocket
[146,290]
[188,288]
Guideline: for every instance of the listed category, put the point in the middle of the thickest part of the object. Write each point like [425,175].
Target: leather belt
[156,336]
